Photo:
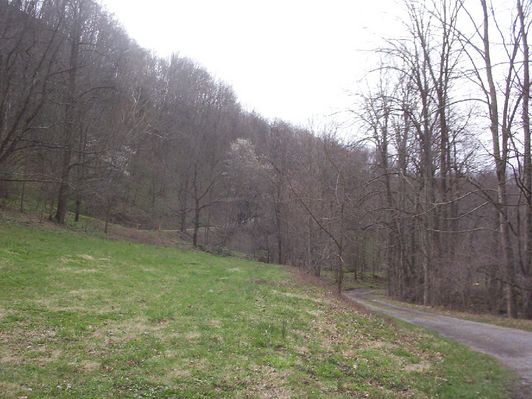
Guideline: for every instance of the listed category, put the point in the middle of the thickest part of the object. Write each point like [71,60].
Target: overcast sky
[292,59]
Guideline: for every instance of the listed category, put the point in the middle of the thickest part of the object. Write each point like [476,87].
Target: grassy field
[82,317]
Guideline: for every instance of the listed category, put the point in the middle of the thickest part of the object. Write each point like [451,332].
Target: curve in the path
[512,347]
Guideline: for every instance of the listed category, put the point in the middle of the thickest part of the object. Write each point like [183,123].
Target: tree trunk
[197,212]
[500,155]
[22,195]
[78,209]
[527,162]
[340,273]
[107,217]
[69,121]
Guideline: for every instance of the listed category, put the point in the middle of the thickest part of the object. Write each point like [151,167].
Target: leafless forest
[432,188]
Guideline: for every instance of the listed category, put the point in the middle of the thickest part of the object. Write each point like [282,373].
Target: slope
[83,317]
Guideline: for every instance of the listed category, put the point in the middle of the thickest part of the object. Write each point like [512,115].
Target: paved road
[512,347]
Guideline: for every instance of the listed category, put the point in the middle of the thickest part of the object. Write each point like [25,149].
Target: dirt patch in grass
[10,390]
[87,293]
[24,346]
[192,336]
[418,367]
[90,366]
[130,329]
[8,356]
[270,384]
[77,271]
[178,374]
[318,300]
[44,355]
[215,323]
[314,312]
[379,345]
[86,257]
[77,301]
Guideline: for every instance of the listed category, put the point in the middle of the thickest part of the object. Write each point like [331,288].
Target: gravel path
[512,347]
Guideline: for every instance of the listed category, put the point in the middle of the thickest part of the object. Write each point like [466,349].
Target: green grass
[82,317]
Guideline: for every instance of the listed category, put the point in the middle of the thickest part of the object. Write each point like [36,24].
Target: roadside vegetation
[377,284]
[352,280]
[502,321]
[83,317]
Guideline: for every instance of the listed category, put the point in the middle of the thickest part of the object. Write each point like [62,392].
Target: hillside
[83,317]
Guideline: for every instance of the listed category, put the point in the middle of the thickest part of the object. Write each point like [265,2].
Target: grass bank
[83,317]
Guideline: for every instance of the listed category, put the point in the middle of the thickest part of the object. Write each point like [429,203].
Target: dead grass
[418,367]
[10,390]
[77,271]
[272,384]
[78,301]
[192,336]
[130,329]
[177,374]
[90,366]
[24,346]
[302,297]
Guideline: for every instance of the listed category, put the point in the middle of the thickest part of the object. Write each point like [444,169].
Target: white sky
[292,59]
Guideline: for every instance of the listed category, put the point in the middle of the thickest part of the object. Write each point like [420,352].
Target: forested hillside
[432,187]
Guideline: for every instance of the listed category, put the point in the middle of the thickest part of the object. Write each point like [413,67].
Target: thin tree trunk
[500,155]
[107,217]
[69,122]
[196,225]
[22,195]
[78,209]
[527,294]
